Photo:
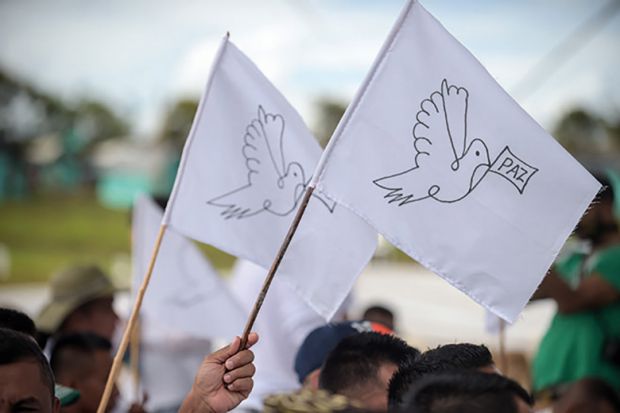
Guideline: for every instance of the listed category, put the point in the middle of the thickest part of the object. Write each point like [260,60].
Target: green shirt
[572,347]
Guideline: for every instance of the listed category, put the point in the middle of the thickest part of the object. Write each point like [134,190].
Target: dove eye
[477,153]
[294,173]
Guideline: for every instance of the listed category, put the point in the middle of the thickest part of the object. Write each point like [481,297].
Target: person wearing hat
[82,300]
[321,341]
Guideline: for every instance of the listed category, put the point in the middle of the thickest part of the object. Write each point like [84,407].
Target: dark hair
[67,346]
[379,309]
[446,358]
[357,359]
[16,347]
[599,390]
[17,321]
[464,392]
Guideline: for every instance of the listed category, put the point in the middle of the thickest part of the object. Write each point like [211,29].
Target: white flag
[447,166]
[185,293]
[245,166]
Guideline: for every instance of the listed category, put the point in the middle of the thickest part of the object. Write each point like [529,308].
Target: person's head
[82,301]
[466,392]
[599,221]
[83,361]
[588,395]
[442,359]
[317,345]
[381,315]
[26,380]
[17,321]
[361,366]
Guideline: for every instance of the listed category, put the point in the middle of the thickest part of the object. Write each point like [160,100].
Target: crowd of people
[61,362]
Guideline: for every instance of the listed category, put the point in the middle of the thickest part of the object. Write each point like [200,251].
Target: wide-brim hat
[70,289]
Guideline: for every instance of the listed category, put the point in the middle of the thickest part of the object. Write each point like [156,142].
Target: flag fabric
[436,156]
[185,293]
[245,166]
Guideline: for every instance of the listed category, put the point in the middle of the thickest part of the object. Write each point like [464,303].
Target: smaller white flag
[446,165]
[185,293]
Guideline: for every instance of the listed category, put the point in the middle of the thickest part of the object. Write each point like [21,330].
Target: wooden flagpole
[274,266]
[120,352]
[134,351]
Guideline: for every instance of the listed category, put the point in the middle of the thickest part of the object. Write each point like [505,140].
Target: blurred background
[96,99]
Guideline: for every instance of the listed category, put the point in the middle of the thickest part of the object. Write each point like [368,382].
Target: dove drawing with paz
[245,166]
[278,185]
[441,143]
[427,154]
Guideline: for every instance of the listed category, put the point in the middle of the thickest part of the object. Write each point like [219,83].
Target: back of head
[465,392]
[589,395]
[443,359]
[380,314]
[364,363]
[73,354]
[17,347]
[17,321]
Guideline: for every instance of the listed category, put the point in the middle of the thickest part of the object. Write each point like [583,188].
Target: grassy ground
[46,233]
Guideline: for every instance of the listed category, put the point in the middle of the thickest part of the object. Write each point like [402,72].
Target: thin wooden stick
[134,351]
[503,357]
[118,358]
[274,266]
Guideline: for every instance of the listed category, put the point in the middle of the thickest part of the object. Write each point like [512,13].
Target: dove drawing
[274,185]
[448,165]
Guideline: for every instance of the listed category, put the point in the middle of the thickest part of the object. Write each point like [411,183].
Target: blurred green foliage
[50,232]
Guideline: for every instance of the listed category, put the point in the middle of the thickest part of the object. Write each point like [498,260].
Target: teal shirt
[573,345]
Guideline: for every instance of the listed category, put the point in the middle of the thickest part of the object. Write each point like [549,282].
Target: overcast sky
[140,56]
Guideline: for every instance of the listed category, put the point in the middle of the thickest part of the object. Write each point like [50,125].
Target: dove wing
[455,106]
[264,160]
[432,137]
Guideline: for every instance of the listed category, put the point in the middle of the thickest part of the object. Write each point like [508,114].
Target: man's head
[83,361]
[599,221]
[361,366]
[588,395]
[26,380]
[82,301]
[446,358]
[318,344]
[466,392]
[17,321]
[381,315]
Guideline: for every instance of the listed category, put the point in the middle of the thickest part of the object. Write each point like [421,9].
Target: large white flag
[185,293]
[442,161]
[245,166]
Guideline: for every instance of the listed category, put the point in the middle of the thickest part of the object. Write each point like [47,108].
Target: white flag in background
[185,293]
[245,166]
[446,165]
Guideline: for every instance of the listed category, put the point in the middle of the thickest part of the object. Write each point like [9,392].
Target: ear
[312,380]
[55,405]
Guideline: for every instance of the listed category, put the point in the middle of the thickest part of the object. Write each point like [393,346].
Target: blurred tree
[329,114]
[178,122]
[95,122]
[583,133]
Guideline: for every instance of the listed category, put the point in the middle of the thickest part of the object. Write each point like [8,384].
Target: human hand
[224,379]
